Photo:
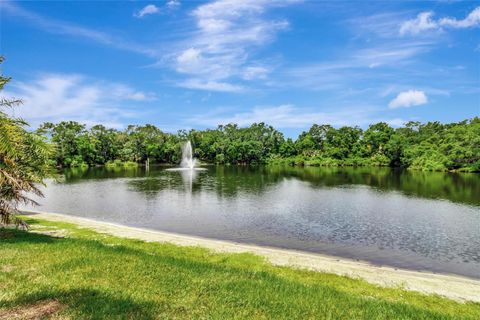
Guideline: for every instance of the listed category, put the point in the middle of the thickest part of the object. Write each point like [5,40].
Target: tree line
[427,146]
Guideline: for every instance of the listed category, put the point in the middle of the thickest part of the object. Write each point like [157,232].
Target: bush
[220,158]
[114,163]
[475,167]
[77,161]
[130,164]
[425,163]
[380,160]
[121,164]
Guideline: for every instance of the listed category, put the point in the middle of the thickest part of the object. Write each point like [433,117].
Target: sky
[196,64]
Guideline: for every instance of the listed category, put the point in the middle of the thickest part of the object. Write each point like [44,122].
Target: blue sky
[197,64]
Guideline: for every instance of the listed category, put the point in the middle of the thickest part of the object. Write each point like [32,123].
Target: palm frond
[24,162]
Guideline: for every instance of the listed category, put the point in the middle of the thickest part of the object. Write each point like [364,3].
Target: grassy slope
[98,276]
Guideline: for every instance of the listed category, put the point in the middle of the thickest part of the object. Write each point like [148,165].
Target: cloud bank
[221,48]
[58,97]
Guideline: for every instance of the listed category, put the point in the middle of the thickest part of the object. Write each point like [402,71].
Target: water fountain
[188,168]
[189,163]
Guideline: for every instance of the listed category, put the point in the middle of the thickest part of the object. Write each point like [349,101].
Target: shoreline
[272,164]
[454,287]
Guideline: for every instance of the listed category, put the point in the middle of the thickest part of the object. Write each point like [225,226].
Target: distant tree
[305,144]
[287,148]
[107,145]
[345,142]
[376,137]
[320,135]
[66,137]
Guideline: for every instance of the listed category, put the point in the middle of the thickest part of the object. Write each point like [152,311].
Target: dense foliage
[24,160]
[429,146]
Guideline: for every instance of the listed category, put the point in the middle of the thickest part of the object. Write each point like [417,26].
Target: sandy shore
[450,286]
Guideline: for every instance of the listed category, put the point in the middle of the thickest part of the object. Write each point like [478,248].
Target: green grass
[94,276]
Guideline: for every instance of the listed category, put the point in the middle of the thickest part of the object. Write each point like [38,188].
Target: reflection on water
[456,187]
[188,178]
[409,219]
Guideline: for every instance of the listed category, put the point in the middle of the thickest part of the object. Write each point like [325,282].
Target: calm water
[417,220]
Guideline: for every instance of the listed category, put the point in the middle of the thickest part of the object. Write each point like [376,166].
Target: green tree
[342,143]
[66,138]
[305,144]
[376,137]
[107,145]
[320,135]
[287,148]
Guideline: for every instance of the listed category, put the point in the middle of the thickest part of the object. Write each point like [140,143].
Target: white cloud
[148,9]
[190,61]
[425,22]
[407,99]
[255,72]
[211,85]
[227,32]
[422,22]
[388,54]
[57,97]
[173,4]
[472,20]
[124,92]
[383,24]
[289,116]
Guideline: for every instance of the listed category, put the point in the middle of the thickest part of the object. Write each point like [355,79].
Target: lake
[409,219]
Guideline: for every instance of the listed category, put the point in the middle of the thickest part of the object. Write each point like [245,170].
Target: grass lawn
[87,275]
